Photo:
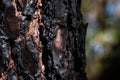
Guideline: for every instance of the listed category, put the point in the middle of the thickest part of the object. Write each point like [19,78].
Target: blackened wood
[63,38]
[42,40]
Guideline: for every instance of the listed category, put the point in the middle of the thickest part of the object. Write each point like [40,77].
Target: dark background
[103,38]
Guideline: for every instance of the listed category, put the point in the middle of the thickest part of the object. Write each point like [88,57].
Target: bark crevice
[42,40]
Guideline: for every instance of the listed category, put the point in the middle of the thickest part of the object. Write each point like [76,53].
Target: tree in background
[42,40]
[103,37]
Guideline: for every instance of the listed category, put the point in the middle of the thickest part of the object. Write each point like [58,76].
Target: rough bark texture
[42,40]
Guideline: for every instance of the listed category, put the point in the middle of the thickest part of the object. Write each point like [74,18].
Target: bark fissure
[42,40]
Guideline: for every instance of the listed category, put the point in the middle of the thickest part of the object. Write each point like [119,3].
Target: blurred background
[103,39]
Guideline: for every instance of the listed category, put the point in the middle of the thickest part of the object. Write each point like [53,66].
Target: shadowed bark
[42,40]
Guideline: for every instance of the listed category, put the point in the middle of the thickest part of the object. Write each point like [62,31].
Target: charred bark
[42,40]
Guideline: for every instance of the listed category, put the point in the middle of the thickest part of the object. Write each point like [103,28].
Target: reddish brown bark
[42,40]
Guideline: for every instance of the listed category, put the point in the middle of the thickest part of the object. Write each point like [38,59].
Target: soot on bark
[42,40]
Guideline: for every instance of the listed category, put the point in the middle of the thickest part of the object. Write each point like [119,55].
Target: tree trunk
[42,40]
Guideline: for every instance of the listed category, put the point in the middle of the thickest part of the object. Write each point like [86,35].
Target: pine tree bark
[42,40]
